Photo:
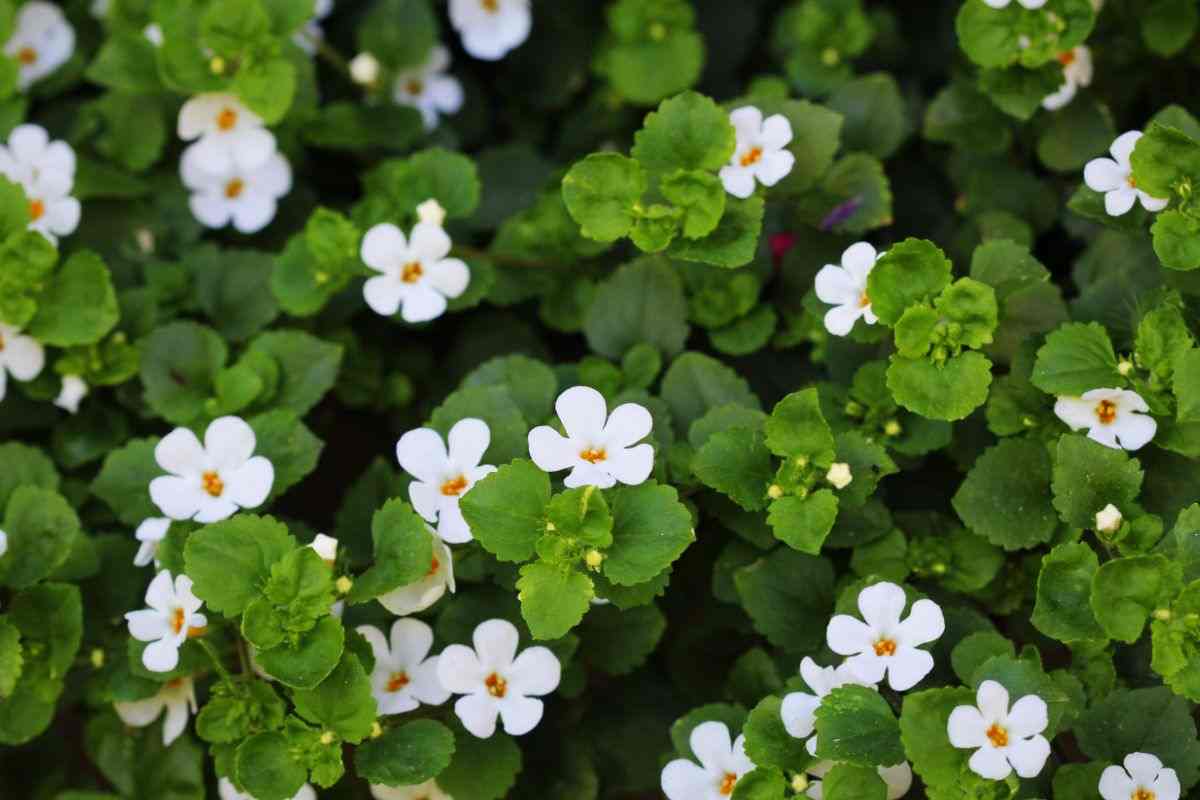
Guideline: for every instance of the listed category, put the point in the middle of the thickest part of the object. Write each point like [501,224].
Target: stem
[331,55]
[243,657]
[216,659]
[475,252]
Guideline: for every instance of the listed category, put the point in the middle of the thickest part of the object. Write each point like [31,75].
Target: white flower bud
[431,212]
[839,475]
[364,69]
[1108,519]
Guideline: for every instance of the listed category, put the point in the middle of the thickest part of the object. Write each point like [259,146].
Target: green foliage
[856,725]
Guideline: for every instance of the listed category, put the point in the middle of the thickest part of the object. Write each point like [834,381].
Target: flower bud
[839,475]
[364,69]
[1108,519]
[431,212]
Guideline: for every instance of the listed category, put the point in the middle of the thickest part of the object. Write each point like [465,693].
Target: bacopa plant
[599,399]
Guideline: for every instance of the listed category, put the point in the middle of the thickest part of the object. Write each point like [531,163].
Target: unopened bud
[594,558]
[376,730]
[1124,366]
[327,738]
[839,475]
[216,65]
[97,657]
[800,783]
[343,584]
[1108,519]
[892,428]
[364,69]
[774,491]
[145,240]
[431,212]
[1162,614]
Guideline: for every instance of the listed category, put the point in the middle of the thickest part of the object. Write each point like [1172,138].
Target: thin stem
[329,53]
[243,657]
[466,251]
[216,659]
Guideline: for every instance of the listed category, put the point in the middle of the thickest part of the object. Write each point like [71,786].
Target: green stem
[326,51]
[226,677]
[465,251]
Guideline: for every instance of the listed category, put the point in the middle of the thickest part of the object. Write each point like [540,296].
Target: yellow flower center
[997,735]
[397,681]
[863,300]
[433,567]
[27,56]
[1106,412]
[1,342]
[751,156]
[1067,58]
[415,87]
[227,119]
[885,647]
[1142,794]
[594,455]
[234,189]
[412,272]
[36,209]
[178,618]
[490,6]
[496,686]
[727,784]
[454,487]
[211,482]
[1132,181]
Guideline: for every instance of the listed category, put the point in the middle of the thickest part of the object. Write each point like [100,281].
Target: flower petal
[140,713]
[776,132]
[177,498]
[478,713]
[378,643]
[747,123]
[907,667]
[180,453]
[711,743]
[468,440]
[836,286]
[253,211]
[411,642]
[881,605]
[1116,785]
[520,714]
[24,357]
[1166,785]
[452,525]
[383,294]
[175,722]
[799,713]
[925,623]
[628,424]
[1134,431]
[1122,147]
[840,320]
[1104,175]
[585,474]
[1143,768]
[459,670]
[422,303]
[161,656]
[550,450]
[252,147]
[1119,201]
[1152,204]
[858,260]
[683,780]
[774,167]
[250,484]
[496,643]
[414,597]
[738,181]
[422,454]
[426,499]
[450,277]
[147,625]
[1028,756]
[384,248]
[229,442]
[988,762]
[536,671]
[583,412]
[848,636]
[631,465]
[429,243]
[1076,412]
[214,509]
[1028,716]
[425,685]
[992,699]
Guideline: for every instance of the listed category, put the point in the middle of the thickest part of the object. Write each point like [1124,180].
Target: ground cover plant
[599,399]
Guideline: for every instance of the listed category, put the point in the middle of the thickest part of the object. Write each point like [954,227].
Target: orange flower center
[885,647]
[1067,58]
[1,343]
[1142,794]
[751,156]
[454,487]
[997,735]
[433,567]
[227,119]
[233,189]
[1132,181]
[594,455]
[36,209]
[211,482]
[175,684]
[863,300]
[490,6]
[412,272]
[397,681]
[1106,412]
[178,618]
[27,56]
[194,633]
[727,783]
[496,686]
[415,87]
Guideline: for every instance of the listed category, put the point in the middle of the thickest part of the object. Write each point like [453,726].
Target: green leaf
[232,289]
[24,466]
[602,193]
[531,383]
[308,367]
[1076,358]
[403,184]
[761,783]
[11,659]
[1018,91]
[1164,159]
[1176,654]
[923,720]
[49,618]
[949,391]
[850,782]
[341,703]
[695,383]
[124,480]
[27,259]
[768,744]
[126,61]
[506,510]
[856,725]
[267,88]
[553,598]
[288,444]
[1175,240]
[311,660]
[266,766]
[656,51]
[910,272]
[1186,386]
[180,362]
[651,529]
[688,132]
[403,551]
[733,243]
[963,116]
[803,523]
[483,769]
[1088,476]
[1006,495]
[229,562]
[1024,676]
[41,528]
[701,195]
[618,642]
[1126,591]
[1064,589]
[788,596]
[737,463]
[1168,25]
[79,306]
[1142,721]
[641,302]
[495,406]
[975,650]
[581,515]
[409,754]
[797,429]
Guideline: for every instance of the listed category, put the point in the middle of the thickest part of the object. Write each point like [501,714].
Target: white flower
[52,212]
[431,212]
[424,593]
[760,154]
[1026,3]
[599,448]
[228,791]
[307,37]
[496,681]
[178,697]
[799,709]
[898,779]
[46,171]
[42,41]
[429,790]
[845,288]
[1144,778]
[885,644]
[171,618]
[416,276]
[405,677]
[442,477]
[1114,178]
[364,69]
[247,197]
[1108,519]
[73,390]
[839,475]
[20,355]
[231,136]
[490,28]
[326,547]
[722,764]
[1006,739]
[1110,416]
[1077,73]
[210,482]
[3,543]
[150,533]
[154,34]
[429,89]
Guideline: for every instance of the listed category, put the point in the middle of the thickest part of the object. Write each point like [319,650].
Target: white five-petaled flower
[722,764]
[247,197]
[307,37]
[760,154]
[71,393]
[490,28]
[210,482]
[1143,778]
[799,709]
[845,288]
[495,681]
[1114,178]
[177,697]
[405,675]
[21,356]
[46,171]
[1077,74]
[1030,4]
[171,618]
[150,533]
[424,593]
[228,791]
[898,779]
[429,790]
[416,276]
[231,137]
[1115,418]
[443,475]
[42,42]
[1007,739]
[599,448]
[885,643]
[429,89]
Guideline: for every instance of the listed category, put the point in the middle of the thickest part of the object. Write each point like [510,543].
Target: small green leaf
[601,193]
[1076,358]
[403,552]
[229,562]
[803,523]
[1064,590]
[856,725]
[1006,495]
[506,510]
[910,272]
[409,754]
[1126,591]
[688,131]
[1088,476]
[553,598]
[651,529]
